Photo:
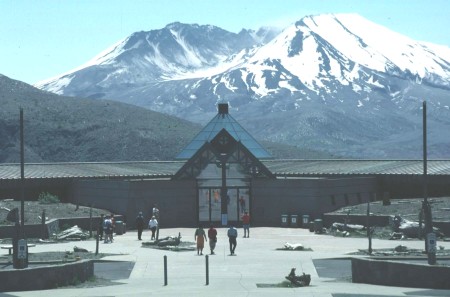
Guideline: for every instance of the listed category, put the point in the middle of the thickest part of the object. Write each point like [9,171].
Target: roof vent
[223,108]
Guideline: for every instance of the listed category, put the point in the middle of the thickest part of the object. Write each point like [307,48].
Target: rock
[410,228]
[396,236]
[73,233]
[401,249]
[347,227]
[77,249]
[295,246]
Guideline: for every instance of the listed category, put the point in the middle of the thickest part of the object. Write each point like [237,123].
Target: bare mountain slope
[68,129]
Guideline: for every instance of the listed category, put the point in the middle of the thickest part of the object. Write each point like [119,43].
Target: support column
[223,191]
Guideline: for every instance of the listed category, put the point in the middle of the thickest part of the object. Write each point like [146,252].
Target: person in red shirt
[246,224]
[212,235]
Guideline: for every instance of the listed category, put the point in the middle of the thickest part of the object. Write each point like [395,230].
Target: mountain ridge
[339,69]
[66,129]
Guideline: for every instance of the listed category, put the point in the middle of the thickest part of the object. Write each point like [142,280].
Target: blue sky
[45,38]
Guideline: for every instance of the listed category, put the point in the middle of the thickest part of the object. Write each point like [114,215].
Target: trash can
[318,226]
[311,226]
[119,228]
[284,220]
[305,221]
[294,221]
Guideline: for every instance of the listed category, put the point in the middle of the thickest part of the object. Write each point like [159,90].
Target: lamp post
[430,237]
[20,247]
[223,190]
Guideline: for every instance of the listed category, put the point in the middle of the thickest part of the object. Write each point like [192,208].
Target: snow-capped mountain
[335,82]
[175,51]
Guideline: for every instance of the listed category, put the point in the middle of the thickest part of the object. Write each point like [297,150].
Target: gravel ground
[33,211]
[406,208]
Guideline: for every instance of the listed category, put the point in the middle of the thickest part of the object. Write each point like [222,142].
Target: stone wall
[400,274]
[45,277]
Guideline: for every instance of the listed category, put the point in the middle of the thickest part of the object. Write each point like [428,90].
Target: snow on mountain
[343,48]
[174,52]
[376,47]
[323,72]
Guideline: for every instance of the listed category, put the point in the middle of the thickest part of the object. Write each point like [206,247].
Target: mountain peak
[322,69]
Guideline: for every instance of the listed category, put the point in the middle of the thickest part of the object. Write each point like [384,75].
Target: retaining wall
[400,274]
[45,277]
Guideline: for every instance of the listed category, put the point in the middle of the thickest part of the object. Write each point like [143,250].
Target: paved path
[257,262]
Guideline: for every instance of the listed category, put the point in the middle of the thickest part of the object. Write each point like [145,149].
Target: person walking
[153,224]
[113,227]
[140,224]
[200,238]
[232,235]
[108,229]
[212,235]
[246,224]
[155,211]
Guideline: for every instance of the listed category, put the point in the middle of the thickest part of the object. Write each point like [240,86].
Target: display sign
[22,249]
[431,239]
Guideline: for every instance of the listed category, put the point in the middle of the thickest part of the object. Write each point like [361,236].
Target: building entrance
[209,204]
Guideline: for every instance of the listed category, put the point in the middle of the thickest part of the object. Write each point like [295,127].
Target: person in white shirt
[153,224]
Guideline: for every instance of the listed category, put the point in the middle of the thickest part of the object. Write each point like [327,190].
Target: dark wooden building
[223,172]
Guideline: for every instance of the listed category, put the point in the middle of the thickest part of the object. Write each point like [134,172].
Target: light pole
[20,247]
[430,237]
[223,190]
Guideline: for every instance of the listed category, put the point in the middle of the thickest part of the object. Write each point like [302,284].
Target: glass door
[209,204]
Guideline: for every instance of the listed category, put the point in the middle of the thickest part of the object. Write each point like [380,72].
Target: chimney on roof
[223,108]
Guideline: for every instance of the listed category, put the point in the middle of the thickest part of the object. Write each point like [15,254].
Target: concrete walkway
[257,261]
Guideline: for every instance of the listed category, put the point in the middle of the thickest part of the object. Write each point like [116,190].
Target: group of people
[106,228]
[200,234]
[152,223]
[232,233]
[200,238]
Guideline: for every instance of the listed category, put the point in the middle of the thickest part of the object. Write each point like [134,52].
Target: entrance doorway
[209,204]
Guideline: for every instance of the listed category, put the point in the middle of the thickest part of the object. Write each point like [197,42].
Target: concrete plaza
[255,270]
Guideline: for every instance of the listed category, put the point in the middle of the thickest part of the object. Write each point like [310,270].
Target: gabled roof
[213,151]
[223,120]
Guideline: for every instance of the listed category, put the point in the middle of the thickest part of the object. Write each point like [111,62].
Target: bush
[47,198]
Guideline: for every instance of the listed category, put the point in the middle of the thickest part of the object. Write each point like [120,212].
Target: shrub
[47,198]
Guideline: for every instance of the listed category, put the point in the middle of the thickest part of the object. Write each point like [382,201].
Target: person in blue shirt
[232,235]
